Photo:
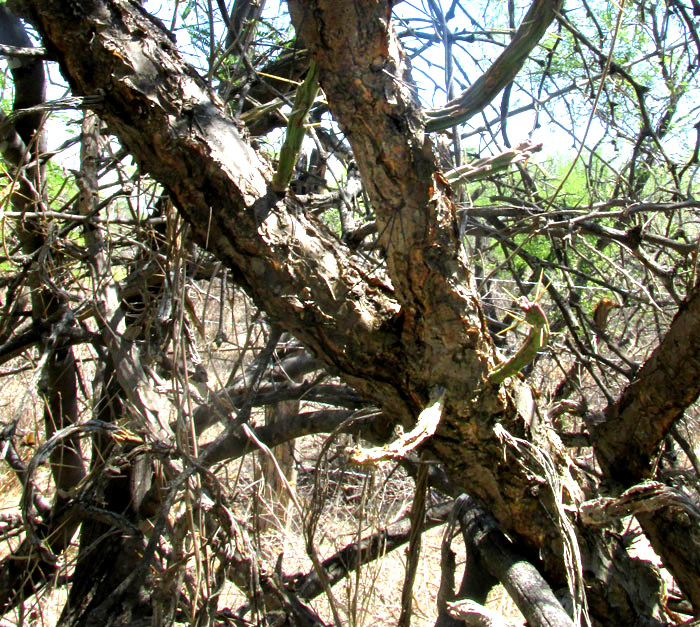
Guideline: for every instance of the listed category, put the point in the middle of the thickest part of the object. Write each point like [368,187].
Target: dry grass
[362,503]
[356,503]
[20,400]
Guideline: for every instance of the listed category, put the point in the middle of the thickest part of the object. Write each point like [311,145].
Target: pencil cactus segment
[536,340]
[296,129]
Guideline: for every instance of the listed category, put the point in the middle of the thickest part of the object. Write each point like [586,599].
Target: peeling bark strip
[647,497]
[428,421]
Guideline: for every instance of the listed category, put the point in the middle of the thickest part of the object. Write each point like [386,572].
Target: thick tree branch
[627,442]
[393,340]
[664,387]
[333,300]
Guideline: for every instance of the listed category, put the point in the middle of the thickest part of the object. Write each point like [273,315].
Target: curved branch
[501,73]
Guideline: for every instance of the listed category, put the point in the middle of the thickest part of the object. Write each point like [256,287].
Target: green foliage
[575,190]
[61,186]
[7,95]
[332,220]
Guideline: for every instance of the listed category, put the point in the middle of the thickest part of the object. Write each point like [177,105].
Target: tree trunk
[22,572]
[394,336]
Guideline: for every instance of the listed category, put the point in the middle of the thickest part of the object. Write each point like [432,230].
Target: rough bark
[344,310]
[668,383]
[394,338]
[627,442]
[525,585]
[332,299]
[368,86]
